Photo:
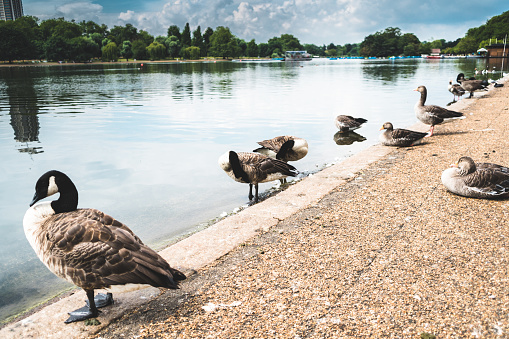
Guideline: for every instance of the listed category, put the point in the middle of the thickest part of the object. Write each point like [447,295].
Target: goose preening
[399,136]
[254,168]
[89,248]
[432,114]
[285,147]
[347,123]
[484,180]
[456,90]
[471,85]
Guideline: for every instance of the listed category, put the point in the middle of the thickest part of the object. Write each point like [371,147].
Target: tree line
[59,40]
[391,42]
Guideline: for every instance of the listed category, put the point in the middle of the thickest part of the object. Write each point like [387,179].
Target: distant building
[498,50]
[10,9]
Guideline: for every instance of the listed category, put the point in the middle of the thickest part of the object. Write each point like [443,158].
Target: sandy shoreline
[370,247]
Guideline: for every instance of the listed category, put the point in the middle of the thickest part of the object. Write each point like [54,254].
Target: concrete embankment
[371,247]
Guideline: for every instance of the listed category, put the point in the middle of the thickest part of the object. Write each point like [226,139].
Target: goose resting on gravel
[471,85]
[484,180]
[89,248]
[254,168]
[347,123]
[399,136]
[456,90]
[286,148]
[432,114]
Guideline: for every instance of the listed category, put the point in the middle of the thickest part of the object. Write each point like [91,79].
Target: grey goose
[483,180]
[88,248]
[432,114]
[399,136]
[285,147]
[347,123]
[471,85]
[254,168]
[456,90]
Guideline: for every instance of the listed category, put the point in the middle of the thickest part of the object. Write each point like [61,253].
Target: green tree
[466,45]
[127,51]
[145,36]
[173,46]
[30,28]
[264,50]
[139,49]
[90,27]
[83,49]
[57,48]
[223,43]
[175,31]
[206,41]
[119,34]
[110,52]
[156,51]
[313,49]
[13,44]
[185,39]
[192,53]
[252,49]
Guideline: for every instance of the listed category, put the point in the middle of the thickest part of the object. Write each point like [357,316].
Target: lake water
[141,143]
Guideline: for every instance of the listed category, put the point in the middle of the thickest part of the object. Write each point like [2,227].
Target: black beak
[35,199]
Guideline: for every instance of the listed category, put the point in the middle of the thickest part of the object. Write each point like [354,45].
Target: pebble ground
[390,254]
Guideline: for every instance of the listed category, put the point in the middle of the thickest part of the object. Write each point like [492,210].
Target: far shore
[120,61]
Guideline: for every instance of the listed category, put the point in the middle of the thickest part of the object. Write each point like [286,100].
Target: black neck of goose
[68,200]
[237,167]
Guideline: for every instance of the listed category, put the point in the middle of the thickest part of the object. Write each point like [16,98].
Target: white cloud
[312,21]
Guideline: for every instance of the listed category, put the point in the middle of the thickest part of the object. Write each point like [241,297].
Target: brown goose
[347,123]
[432,114]
[487,181]
[89,248]
[285,147]
[456,90]
[399,136]
[254,168]
[471,85]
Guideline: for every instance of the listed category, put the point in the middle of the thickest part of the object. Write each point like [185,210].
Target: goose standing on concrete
[432,114]
[471,85]
[254,168]
[399,136]
[285,147]
[89,248]
[487,181]
[456,90]
[347,123]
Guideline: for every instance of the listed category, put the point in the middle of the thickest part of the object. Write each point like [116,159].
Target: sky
[311,21]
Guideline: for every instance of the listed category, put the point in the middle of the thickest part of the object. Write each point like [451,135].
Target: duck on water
[89,248]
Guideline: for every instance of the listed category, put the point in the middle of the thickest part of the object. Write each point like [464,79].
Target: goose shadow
[347,138]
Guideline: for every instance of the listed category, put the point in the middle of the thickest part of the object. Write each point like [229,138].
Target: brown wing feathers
[100,251]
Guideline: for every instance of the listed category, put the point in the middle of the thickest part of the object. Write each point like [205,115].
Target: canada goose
[89,248]
[456,90]
[432,114]
[488,181]
[285,147]
[399,136]
[254,168]
[471,85]
[347,123]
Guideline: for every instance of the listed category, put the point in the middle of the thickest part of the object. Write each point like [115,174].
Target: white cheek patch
[52,187]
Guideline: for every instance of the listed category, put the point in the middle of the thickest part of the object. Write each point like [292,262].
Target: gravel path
[390,254]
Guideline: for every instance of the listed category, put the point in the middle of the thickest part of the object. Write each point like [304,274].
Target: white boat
[297,56]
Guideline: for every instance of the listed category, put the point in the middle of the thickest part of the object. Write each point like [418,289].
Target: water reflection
[390,72]
[23,111]
[348,138]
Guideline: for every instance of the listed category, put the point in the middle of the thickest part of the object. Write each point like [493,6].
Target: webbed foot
[81,314]
[102,300]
